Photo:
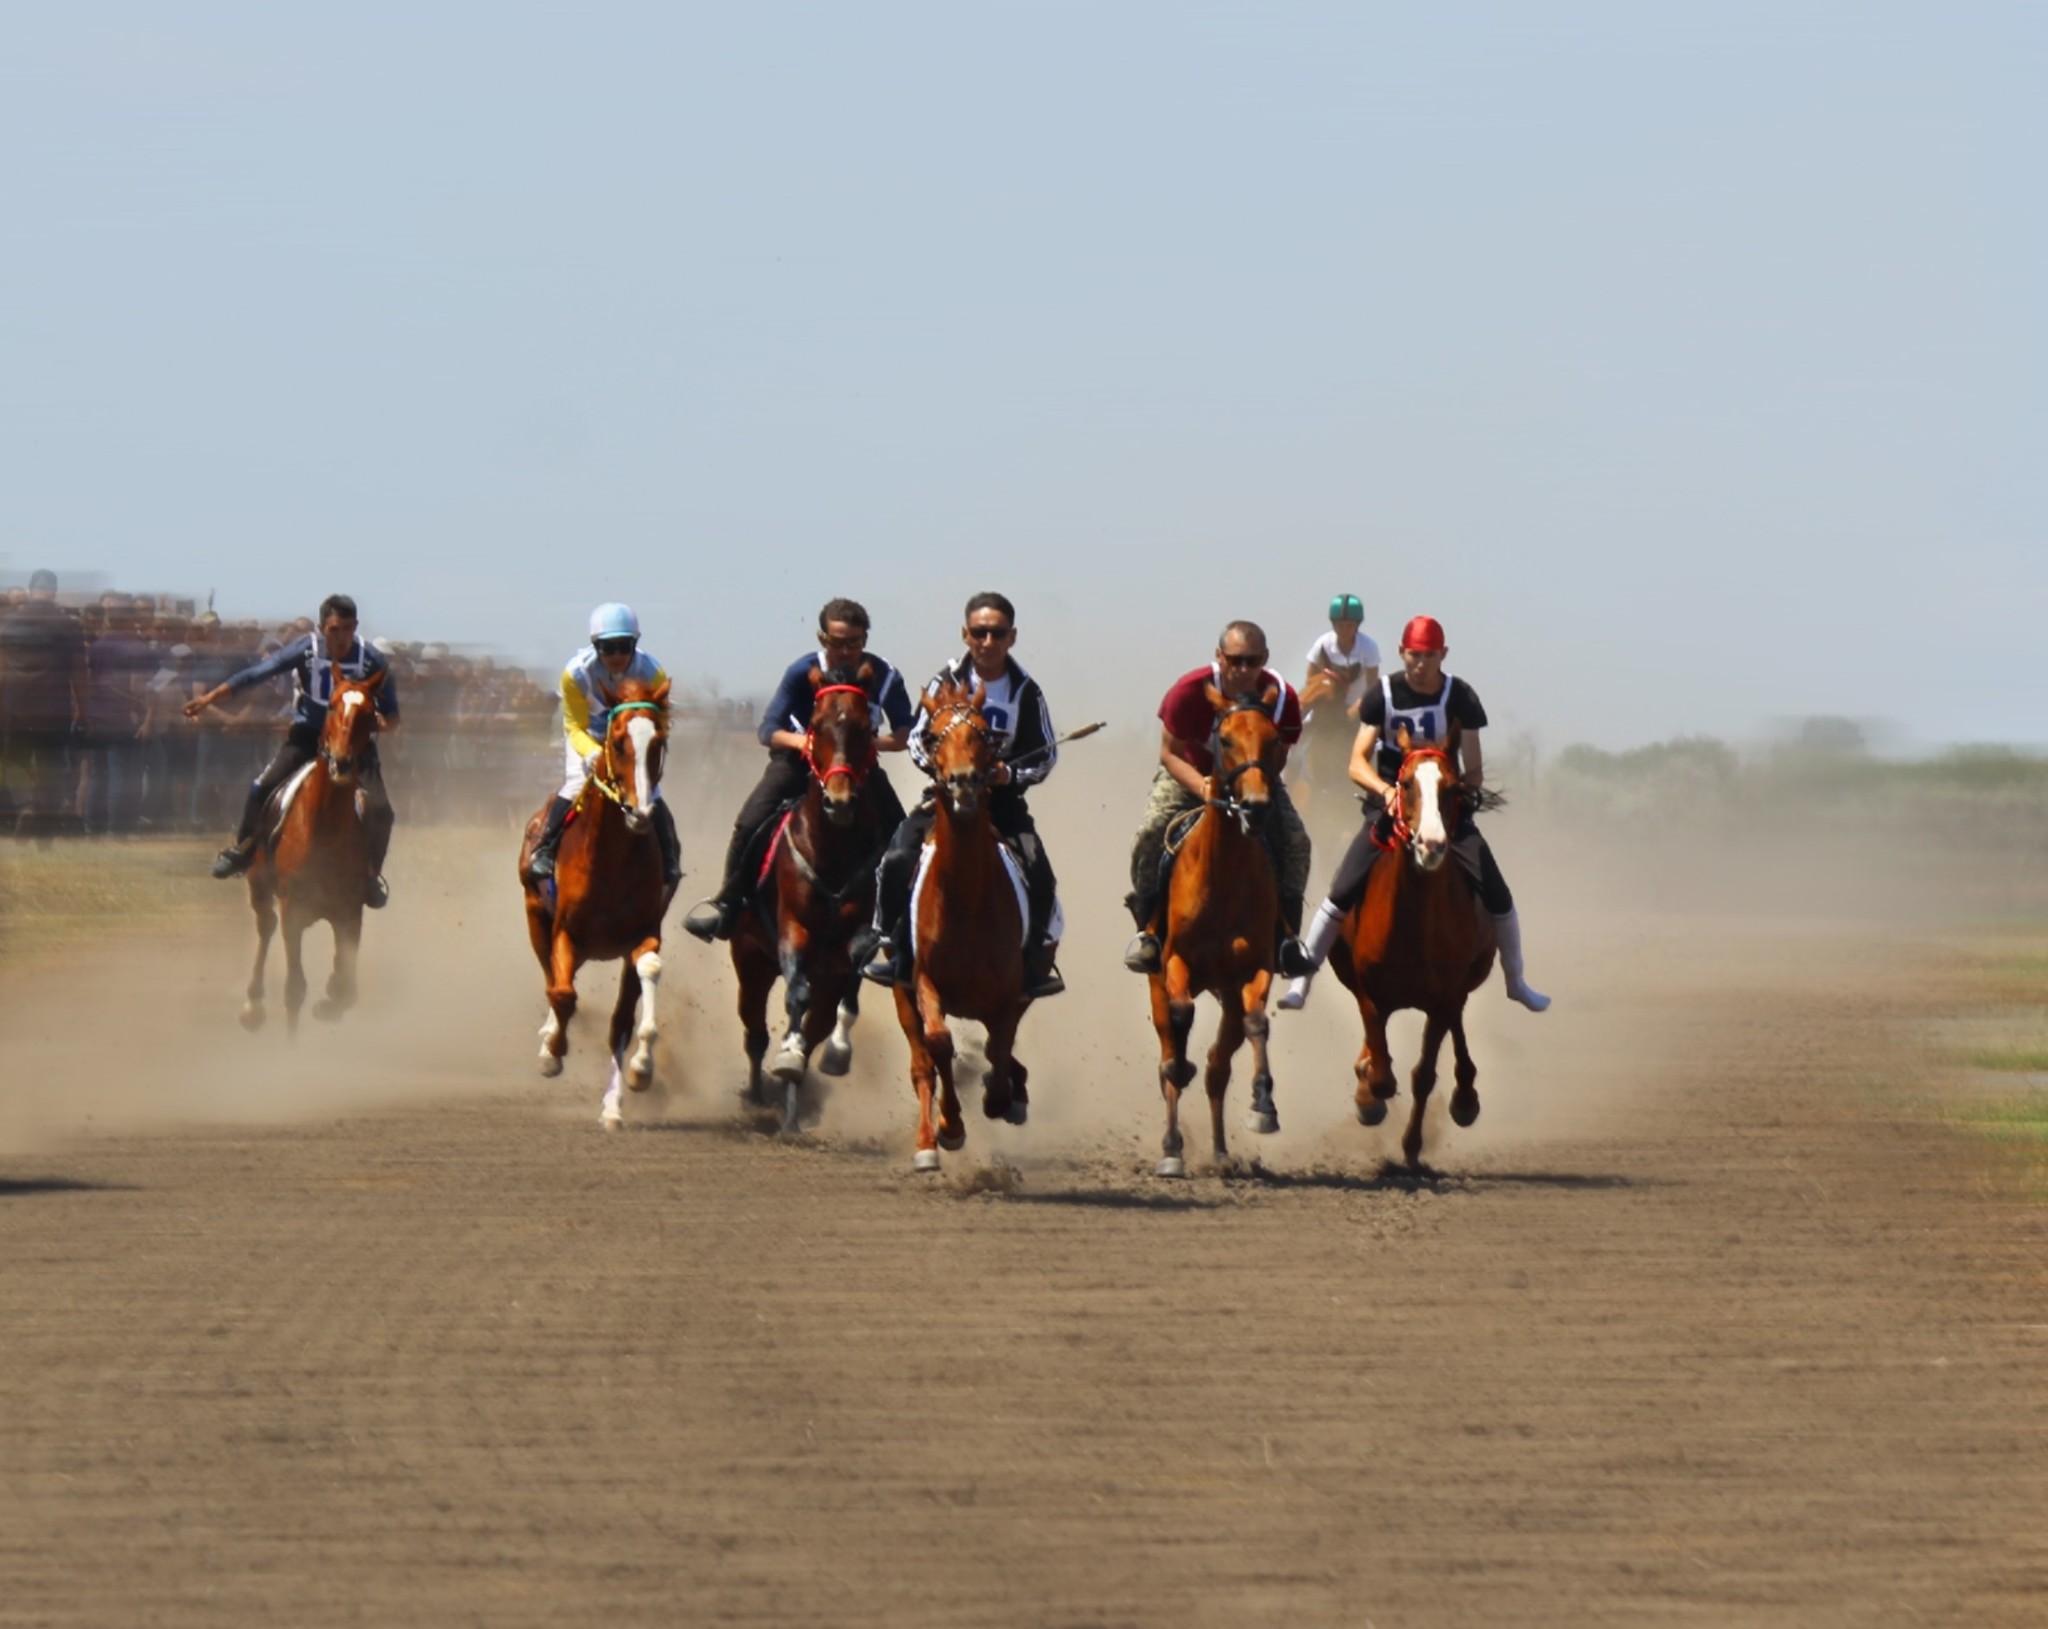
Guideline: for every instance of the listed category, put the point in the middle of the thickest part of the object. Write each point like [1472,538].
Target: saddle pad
[1055,929]
[281,800]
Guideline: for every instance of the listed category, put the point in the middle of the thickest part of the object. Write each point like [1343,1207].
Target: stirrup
[1141,955]
[883,967]
[709,919]
[233,860]
[541,866]
[1049,983]
[1294,959]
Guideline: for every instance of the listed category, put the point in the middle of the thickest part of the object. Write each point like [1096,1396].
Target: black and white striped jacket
[1017,717]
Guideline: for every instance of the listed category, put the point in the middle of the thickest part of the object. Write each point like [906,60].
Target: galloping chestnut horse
[1222,924]
[310,867]
[608,894]
[1419,938]
[818,892]
[968,929]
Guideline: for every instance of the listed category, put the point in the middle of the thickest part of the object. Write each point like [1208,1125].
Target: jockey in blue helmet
[589,685]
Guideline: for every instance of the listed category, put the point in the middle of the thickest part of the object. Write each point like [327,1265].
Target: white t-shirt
[1363,654]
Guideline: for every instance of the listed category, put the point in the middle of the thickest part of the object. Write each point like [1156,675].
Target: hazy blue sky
[1688,360]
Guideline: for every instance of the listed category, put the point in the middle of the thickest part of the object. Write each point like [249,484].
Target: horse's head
[840,745]
[351,726]
[635,743]
[1428,790]
[1244,749]
[958,746]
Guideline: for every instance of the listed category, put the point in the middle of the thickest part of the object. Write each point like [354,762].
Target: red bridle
[1402,834]
[856,774]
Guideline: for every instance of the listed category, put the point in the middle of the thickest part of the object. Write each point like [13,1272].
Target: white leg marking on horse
[550,1065]
[611,1116]
[641,1065]
[842,1031]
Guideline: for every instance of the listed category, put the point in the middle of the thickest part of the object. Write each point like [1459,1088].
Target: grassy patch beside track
[62,897]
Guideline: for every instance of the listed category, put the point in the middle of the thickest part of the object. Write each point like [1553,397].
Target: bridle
[856,773]
[1222,782]
[960,715]
[345,764]
[1400,835]
[605,779]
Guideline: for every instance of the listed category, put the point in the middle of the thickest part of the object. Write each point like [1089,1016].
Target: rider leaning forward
[1181,783]
[590,685]
[1020,725]
[336,646]
[1425,700]
[785,727]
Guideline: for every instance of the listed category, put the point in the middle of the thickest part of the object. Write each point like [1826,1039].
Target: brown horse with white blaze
[311,857]
[818,893]
[968,922]
[1419,938]
[608,894]
[1222,922]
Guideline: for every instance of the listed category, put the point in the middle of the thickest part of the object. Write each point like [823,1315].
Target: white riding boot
[1507,933]
[1322,933]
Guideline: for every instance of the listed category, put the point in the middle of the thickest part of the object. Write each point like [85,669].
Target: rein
[1400,835]
[601,779]
[1223,782]
[960,715]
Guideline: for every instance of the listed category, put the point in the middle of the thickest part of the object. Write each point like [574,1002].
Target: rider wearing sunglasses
[1018,719]
[1425,700]
[785,727]
[590,684]
[1182,783]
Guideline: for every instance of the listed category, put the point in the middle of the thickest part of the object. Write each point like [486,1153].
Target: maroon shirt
[1189,718]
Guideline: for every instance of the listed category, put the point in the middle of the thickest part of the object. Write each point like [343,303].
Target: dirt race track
[1704,1323]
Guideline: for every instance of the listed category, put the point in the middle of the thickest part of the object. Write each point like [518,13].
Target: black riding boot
[233,860]
[542,865]
[714,918]
[671,844]
[889,959]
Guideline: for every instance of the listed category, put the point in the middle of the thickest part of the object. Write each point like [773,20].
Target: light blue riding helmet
[614,621]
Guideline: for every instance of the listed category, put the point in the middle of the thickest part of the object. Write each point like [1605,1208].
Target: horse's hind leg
[1465,1098]
[611,1112]
[793,1055]
[756,976]
[1173,1021]
[999,1098]
[1265,1116]
[264,904]
[923,1080]
[554,1034]
[838,1054]
[1424,1082]
[294,970]
[1229,1037]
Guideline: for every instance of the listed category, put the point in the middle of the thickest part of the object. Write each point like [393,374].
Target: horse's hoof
[1464,1106]
[836,1061]
[1264,1124]
[1372,1113]
[252,1019]
[952,1139]
[927,1160]
[1018,1112]
[550,1065]
[1175,1167]
[640,1082]
[788,1068]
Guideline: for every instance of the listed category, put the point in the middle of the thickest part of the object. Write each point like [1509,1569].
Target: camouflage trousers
[1286,840]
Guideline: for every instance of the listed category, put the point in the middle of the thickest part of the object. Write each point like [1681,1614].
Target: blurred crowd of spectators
[94,737]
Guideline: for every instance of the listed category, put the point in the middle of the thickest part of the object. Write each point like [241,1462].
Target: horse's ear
[980,695]
[1269,697]
[372,683]
[865,675]
[815,677]
[1215,697]
[1404,738]
[660,696]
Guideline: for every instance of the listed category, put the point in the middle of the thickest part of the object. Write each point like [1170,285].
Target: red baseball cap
[1423,633]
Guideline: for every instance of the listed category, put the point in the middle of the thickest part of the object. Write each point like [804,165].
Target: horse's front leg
[838,1055]
[1375,1065]
[1424,1082]
[1465,1098]
[646,963]
[756,974]
[1173,1021]
[264,904]
[923,1080]
[611,1113]
[341,983]
[294,969]
[1216,1079]
[554,1034]
[1265,1116]
[793,1054]
[938,1043]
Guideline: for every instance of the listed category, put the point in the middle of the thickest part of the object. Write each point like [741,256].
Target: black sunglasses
[617,647]
[1242,661]
[979,634]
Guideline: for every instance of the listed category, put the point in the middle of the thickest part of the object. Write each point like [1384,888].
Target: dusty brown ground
[1706,1322]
